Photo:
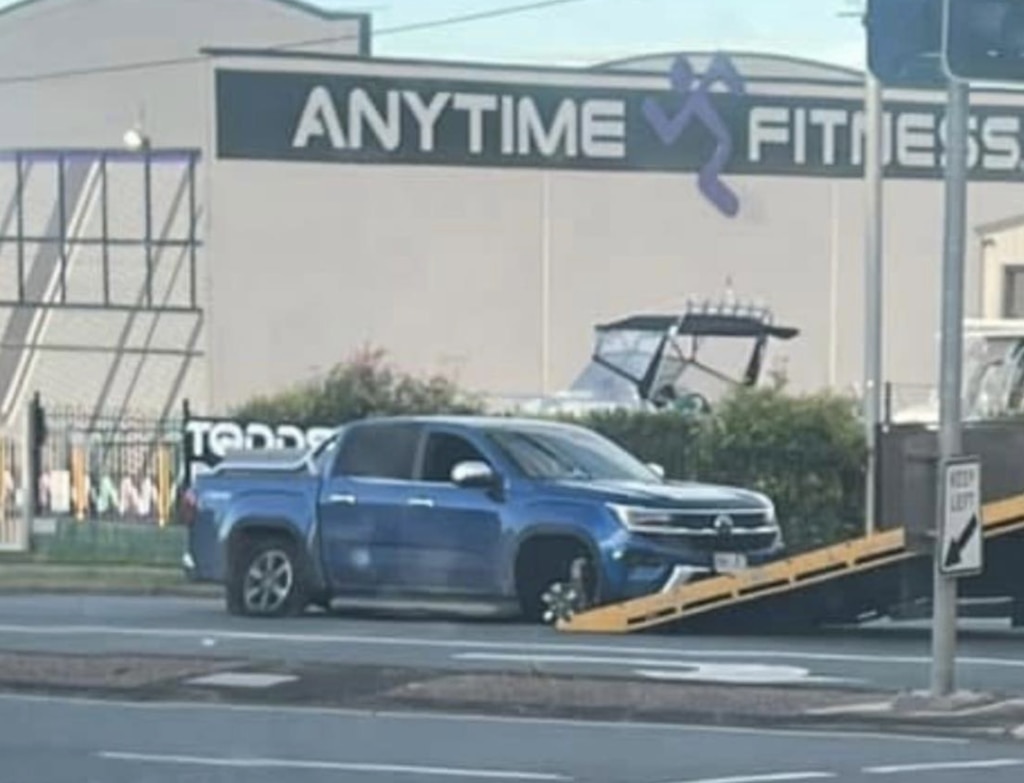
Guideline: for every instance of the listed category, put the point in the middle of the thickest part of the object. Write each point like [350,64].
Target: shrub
[805,452]
[365,385]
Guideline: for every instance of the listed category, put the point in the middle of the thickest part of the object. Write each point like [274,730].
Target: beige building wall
[78,74]
[444,267]
[1002,247]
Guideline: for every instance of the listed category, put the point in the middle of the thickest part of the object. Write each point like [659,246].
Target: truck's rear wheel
[554,579]
[266,578]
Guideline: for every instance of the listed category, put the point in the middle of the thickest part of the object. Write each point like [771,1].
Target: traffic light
[905,42]
[984,40]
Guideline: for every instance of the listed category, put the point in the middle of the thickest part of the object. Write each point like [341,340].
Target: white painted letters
[363,113]
[769,125]
[603,129]
[562,132]
[475,106]
[319,118]
[426,115]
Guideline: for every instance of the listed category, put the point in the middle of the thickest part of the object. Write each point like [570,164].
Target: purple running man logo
[697,104]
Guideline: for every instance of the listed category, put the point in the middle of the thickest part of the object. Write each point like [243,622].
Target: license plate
[727,562]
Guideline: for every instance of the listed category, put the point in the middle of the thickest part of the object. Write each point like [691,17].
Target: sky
[589,31]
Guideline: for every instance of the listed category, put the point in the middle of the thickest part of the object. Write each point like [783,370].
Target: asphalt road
[888,657]
[67,741]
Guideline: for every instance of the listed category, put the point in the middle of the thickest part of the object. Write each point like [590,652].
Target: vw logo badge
[723,525]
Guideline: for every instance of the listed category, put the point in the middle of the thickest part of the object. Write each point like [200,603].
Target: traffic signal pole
[944,618]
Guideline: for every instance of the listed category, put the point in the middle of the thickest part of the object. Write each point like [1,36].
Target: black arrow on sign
[958,545]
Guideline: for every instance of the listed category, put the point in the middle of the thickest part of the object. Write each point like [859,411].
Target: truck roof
[469,420]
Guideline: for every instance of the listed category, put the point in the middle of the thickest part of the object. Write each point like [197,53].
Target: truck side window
[444,451]
[378,451]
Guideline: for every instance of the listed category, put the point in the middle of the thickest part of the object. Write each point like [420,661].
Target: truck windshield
[552,454]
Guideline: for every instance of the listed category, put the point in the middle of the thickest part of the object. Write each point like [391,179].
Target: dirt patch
[627,698]
[47,670]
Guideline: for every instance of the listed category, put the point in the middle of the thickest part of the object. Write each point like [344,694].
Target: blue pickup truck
[542,517]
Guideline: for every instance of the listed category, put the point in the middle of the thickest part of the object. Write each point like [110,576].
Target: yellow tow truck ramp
[872,567]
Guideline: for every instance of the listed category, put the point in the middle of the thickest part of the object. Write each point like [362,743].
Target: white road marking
[768,778]
[896,769]
[742,674]
[242,680]
[336,766]
[462,644]
[696,671]
[468,717]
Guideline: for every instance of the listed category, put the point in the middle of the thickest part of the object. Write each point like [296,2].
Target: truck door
[363,503]
[450,540]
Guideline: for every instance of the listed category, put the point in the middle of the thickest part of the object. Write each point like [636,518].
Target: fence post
[29,479]
[78,473]
[163,484]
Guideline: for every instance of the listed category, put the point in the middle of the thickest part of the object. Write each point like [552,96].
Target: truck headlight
[634,517]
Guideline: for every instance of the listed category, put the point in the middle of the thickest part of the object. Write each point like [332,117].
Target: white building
[467,218]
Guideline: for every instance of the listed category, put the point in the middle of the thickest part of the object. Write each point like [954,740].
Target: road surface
[887,658]
[70,741]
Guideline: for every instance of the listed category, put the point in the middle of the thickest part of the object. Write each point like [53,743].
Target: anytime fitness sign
[207,441]
[707,124]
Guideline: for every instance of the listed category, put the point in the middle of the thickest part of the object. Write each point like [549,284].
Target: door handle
[425,502]
[339,497]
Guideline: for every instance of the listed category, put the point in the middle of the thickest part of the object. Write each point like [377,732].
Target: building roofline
[314,56]
[781,58]
[320,56]
[296,5]
[301,6]
[1003,224]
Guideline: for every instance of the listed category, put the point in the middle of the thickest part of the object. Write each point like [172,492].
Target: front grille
[752,542]
[707,531]
[705,520]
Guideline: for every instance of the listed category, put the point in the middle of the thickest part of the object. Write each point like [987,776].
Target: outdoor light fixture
[135,139]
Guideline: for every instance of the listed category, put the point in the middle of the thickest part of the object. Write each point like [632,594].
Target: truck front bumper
[636,566]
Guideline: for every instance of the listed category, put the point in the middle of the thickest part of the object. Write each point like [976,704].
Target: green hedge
[806,452]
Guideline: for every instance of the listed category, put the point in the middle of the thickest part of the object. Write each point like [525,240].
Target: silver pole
[545,283]
[29,481]
[833,288]
[950,371]
[873,181]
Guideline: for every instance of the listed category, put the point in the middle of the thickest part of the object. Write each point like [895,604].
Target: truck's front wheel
[554,578]
[265,578]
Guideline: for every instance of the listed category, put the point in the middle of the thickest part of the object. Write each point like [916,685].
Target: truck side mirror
[657,469]
[473,474]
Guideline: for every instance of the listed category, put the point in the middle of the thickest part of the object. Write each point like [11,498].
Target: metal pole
[873,180]
[545,261]
[29,478]
[20,230]
[833,297]
[105,227]
[148,203]
[950,371]
[192,295]
[62,206]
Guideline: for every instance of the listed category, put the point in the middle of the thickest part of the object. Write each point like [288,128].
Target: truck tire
[266,578]
[554,579]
